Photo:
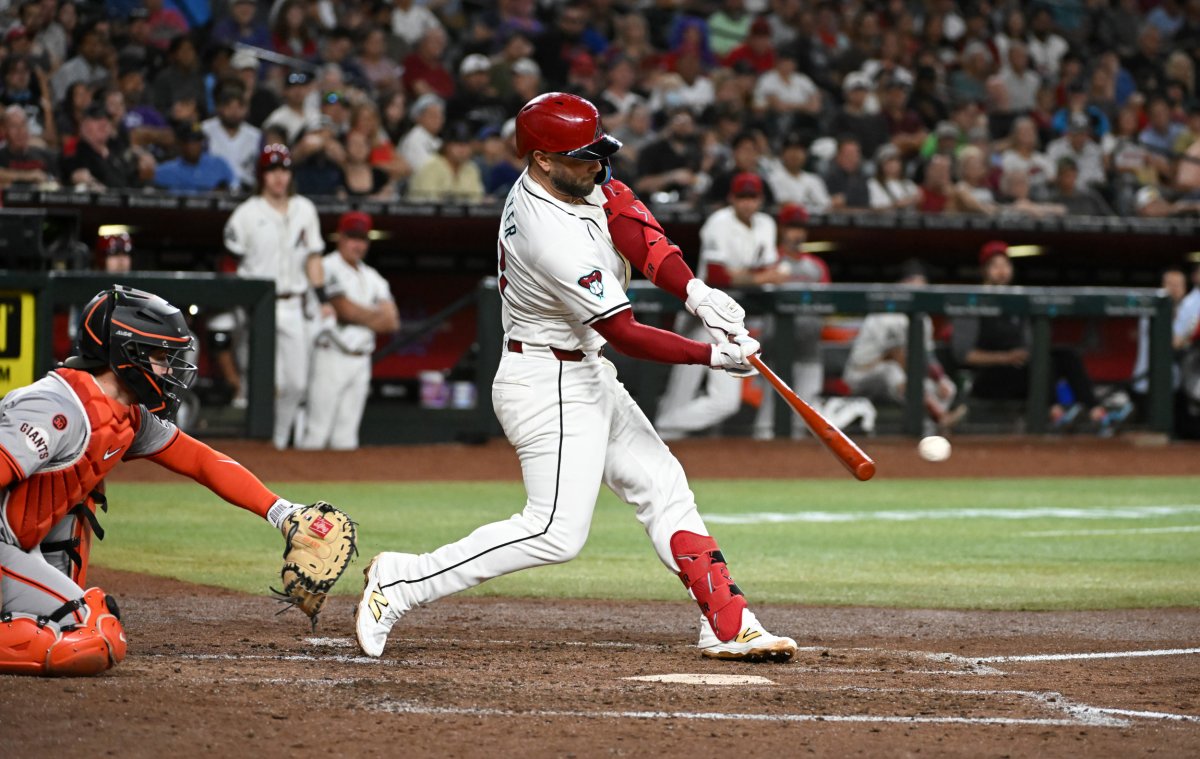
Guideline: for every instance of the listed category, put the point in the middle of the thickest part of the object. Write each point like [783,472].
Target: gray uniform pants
[34,584]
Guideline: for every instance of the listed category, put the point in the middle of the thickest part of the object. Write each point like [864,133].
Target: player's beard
[576,188]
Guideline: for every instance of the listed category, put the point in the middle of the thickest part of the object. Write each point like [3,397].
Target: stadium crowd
[1026,108]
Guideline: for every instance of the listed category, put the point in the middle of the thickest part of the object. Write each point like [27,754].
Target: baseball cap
[793,215]
[946,130]
[425,101]
[991,249]
[474,63]
[856,80]
[1079,122]
[760,26]
[274,156]
[243,59]
[746,185]
[189,132]
[526,66]
[355,224]
[886,152]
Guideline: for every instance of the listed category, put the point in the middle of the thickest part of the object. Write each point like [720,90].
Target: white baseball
[934,448]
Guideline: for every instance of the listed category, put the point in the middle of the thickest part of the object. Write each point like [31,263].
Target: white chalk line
[1130,531]
[338,658]
[1039,512]
[1097,655]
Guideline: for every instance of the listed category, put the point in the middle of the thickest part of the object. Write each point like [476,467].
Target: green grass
[981,562]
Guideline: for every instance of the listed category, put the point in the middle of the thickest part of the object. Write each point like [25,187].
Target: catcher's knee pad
[703,571]
[33,647]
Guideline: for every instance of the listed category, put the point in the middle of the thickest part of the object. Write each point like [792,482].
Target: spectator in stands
[889,189]
[422,141]
[789,180]
[1146,64]
[31,93]
[425,69]
[365,120]
[294,114]
[393,116]
[845,180]
[195,169]
[260,102]
[181,79]
[905,129]
[964,116]
[728,27]
[1046,49]
[619,92]
[449,176]
[996,350]
[317,160]
[291,33]
[526,84]
[1077,144]
[695,89]
[972,194]
[242,26]
[926,100]
[746,158]
[97,163]
[1021,81]
[360,179]
[869,129]
[1023,153]
[139,49]
[1161,132]
[787,97]
[33,21]
[377,66]
[21,163]
[756,51]
[968,82]
[936,187]
[410,21]
[94,65]
[1015,200]
[632,42]
[672,164]
[475,103]
[1078,200]
[230,137]
[635,133]
[333,106]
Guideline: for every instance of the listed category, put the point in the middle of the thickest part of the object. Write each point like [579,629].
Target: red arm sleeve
[222,475]
[638,340]
[641,239]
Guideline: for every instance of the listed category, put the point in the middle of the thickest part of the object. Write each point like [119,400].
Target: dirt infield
[215,671]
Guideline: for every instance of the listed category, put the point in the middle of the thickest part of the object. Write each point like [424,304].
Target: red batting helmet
[558,122]
[114,244]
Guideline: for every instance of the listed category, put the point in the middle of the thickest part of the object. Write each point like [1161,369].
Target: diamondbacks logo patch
[593,283]
[60,422]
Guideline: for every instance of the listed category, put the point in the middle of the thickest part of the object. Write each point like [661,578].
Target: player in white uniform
[562,283]
[876,367]
[341,365]
[277,235]
[737,247]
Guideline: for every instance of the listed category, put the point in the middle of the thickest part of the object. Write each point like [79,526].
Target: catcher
[59,437]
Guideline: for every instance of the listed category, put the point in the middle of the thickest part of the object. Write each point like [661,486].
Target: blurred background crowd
[926,106]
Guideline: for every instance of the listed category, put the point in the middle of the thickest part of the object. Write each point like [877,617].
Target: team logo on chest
[593,283]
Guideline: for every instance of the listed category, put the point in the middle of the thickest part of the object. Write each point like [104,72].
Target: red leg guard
[703,571]
[27,648]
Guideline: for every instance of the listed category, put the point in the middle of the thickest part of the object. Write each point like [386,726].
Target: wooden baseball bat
[852,457]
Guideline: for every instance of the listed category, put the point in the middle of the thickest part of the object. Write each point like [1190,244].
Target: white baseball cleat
[752,643]
[376,611]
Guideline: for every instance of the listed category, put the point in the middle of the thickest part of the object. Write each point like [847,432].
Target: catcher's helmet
[130,331]
[559,122]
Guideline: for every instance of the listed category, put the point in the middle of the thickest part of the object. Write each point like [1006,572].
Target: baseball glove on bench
[320,541]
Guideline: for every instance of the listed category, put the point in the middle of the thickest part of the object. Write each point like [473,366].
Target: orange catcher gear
[33,647]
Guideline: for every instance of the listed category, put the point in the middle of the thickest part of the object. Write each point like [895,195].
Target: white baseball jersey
[275,245]
[362,285]
[241,149]
[559,271]
[725,240]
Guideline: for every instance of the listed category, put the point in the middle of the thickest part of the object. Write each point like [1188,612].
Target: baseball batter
[737,247]
[59,438]
[341,367]
[277,235]
[566,242]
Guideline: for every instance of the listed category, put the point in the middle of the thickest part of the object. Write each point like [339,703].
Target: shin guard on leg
[703,571]
[34,647]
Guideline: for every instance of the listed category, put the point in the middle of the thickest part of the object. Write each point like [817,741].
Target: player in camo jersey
[59,438]
[566,242]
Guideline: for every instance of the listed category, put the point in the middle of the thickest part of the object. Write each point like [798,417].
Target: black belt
[331,344]
[515,346]
[285,296]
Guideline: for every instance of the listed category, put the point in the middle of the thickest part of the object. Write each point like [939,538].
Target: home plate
[704,679]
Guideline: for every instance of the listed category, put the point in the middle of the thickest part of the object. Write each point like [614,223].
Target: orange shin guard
[703,571]
[33,647]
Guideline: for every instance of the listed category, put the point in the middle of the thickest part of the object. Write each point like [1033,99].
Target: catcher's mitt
[320,543]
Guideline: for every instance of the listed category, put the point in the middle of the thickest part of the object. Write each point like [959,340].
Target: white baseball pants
[293,351]
[337,395]
[574,427]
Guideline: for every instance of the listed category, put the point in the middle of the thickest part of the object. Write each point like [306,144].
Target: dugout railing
[53,291]
[1041,304]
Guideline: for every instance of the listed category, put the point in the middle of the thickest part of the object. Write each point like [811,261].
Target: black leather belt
[285,296]
[330,344]
[516,346]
